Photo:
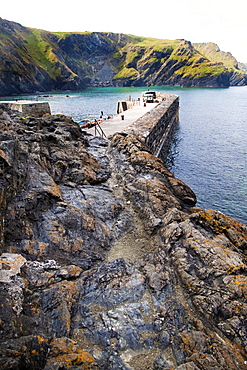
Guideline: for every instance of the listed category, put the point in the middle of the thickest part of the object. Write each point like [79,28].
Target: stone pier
[154,123]
[157,126]
[27,107]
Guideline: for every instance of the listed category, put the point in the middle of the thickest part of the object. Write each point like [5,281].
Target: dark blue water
[209,148]
[209,152]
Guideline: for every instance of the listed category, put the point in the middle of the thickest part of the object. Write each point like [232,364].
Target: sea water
[208,151]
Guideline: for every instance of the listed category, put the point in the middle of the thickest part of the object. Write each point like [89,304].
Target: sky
[220,21]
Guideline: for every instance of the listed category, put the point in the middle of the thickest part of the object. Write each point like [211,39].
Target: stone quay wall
[28,107]
[124,105]
[157,126]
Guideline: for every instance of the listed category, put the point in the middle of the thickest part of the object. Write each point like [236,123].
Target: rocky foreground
[107,263]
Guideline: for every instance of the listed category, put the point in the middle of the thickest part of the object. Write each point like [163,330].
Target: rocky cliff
[212,52]
[35,60]
[107,262]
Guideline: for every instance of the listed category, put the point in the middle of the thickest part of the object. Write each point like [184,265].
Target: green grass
[126,73]
[211,51]
[42,52]
[158,44]
[204,70]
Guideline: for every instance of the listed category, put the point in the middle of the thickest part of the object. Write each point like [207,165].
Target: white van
[149,96]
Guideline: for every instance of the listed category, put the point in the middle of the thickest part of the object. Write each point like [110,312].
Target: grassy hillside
[33,59]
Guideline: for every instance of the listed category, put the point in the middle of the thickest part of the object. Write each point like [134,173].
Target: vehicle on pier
[149,96]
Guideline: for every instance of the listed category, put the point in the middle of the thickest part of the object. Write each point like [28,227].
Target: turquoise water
[209,148]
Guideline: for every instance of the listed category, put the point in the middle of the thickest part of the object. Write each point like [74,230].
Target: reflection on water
[173,153]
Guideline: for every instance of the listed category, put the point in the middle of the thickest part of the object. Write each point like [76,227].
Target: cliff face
[28,63]
[107,262]
[35,60]
[212,52]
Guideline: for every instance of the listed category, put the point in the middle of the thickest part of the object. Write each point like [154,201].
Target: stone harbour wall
[156,127]
[124,105]
[28,107]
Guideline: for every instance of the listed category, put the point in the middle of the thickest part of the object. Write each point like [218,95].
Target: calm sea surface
[209,150]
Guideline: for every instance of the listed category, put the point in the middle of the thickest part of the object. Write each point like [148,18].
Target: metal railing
[98,130]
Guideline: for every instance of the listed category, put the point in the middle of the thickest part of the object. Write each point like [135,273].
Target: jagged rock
[10,265]
[110,263]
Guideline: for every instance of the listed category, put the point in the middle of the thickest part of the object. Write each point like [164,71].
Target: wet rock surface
[107,263]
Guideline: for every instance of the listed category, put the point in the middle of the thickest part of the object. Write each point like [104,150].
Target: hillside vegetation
[36,60]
